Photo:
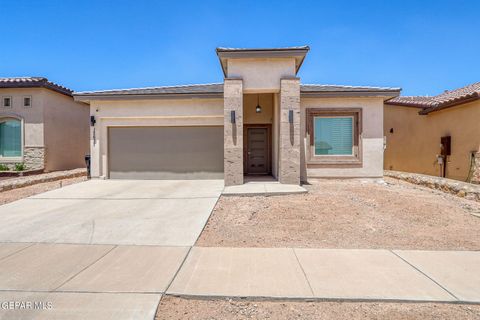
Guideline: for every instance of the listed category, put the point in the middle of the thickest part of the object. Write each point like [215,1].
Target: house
[437,135]
[259,121]
[41,125]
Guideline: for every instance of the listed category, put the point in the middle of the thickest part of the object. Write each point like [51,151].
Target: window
[27,101]
[10,138]
[334,136]
[7,102]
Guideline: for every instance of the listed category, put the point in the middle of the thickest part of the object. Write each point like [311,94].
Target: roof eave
[297,53]
[450,104]
[86,97]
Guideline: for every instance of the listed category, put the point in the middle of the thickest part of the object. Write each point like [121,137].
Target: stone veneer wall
[289,150]
[34,157]
[476,168]
[233,132]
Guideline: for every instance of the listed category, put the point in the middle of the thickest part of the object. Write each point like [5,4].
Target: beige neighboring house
[41,125]
[260,121]
[437,135]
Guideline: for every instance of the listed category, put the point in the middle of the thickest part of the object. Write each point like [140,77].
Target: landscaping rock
[461,189]
[24,181]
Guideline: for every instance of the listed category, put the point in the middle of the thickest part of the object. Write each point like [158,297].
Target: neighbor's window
[27,101]
[7,102]
[10,138]
[333,135]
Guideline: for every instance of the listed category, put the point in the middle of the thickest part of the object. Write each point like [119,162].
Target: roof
[215,90]
[444,100]
[298,53]
[33,82]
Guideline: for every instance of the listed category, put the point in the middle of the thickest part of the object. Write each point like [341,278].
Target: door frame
[267,126]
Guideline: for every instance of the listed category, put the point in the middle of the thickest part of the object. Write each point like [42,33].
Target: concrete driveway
[100,249]
[119,212]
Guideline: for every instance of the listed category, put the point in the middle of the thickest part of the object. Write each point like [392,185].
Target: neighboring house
[41,126]
[437,135]
[260,120]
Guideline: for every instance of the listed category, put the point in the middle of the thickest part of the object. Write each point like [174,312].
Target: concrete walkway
[399,275]
[127,282]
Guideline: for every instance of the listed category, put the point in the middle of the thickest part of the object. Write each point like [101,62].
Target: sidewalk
[330,274]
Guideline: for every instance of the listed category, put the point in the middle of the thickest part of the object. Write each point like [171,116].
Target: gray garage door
[165,152]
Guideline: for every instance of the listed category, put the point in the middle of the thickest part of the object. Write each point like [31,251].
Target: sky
[422,46]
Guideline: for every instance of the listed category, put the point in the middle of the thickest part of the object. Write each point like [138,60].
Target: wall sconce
[232,116]
[258,109]
[92,121]
[290,116]
[391,130]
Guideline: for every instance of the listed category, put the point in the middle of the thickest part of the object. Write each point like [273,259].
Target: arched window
[10,138]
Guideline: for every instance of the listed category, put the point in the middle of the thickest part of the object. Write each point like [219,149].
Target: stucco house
[41,125]
[437,135]
[260,121]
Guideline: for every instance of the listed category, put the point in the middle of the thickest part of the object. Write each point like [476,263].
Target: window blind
[333,135]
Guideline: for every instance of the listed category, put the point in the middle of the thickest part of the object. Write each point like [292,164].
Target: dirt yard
[347,214]
[179,308]
[25,192]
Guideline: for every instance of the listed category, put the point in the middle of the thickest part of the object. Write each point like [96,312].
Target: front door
[257,151]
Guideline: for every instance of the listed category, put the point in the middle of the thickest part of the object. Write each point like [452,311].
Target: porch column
[289,146]
[233,131]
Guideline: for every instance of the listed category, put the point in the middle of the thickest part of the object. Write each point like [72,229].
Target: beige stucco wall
[66,129]
[250,116]
[147,112]
[371,137]
[415,142]
[261,75]
[32,116]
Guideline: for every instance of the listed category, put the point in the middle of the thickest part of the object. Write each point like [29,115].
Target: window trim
[334,161]
[25,97]
[3,102]
[22,143]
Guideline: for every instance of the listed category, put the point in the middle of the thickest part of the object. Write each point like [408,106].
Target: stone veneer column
[233,132]
[289,147]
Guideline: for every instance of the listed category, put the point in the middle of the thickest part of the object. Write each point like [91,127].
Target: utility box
[446,145]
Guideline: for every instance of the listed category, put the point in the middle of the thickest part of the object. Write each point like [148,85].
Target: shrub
[20,167]
[4,167]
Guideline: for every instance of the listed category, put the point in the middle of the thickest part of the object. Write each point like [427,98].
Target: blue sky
[422,46]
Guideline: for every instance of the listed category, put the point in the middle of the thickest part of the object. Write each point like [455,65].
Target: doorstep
[262,188]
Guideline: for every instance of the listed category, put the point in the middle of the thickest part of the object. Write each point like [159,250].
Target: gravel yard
[356,213]
[179,308]
[25,192]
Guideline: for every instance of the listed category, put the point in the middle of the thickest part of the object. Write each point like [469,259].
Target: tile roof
[341,88]
[217,89]
[208,88]
[33,82]
[448,98]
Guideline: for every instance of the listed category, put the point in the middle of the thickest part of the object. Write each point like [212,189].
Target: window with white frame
[10,138]
[7,102]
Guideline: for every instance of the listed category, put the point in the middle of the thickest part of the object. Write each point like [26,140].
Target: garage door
[165,152]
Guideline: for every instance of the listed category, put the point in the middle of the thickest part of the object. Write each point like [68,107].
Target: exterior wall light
[232,116]
[258,108]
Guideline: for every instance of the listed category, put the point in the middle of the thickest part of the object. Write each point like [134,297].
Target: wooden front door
[257,150]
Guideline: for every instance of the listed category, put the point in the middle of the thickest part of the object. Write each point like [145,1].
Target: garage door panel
[166,152]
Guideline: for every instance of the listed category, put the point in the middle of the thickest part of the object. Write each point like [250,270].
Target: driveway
[118,212]
[100,249]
